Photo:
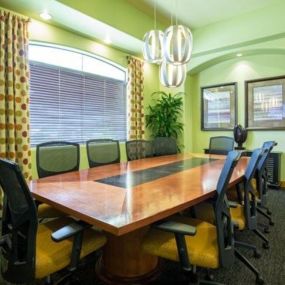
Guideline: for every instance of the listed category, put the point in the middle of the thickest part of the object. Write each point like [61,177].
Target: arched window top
[74,59]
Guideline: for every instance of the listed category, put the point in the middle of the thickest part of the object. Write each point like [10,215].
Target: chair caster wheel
[266,230]
[259,280]
[256,254]
[266,245]
[210,277]
[271,223]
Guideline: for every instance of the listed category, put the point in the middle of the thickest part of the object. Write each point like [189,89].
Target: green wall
[233,70]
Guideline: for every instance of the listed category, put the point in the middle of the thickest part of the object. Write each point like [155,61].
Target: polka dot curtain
[135,98]
[14,91]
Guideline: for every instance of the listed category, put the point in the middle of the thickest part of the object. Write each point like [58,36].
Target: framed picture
[219,107]
[265,103]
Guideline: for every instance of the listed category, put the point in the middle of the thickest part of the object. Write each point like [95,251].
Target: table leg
[124,262]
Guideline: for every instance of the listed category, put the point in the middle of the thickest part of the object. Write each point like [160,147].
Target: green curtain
[14,91]
[135,98]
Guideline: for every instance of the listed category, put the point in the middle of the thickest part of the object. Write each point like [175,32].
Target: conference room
[141,142]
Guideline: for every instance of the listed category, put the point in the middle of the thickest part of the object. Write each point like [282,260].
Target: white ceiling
[199,13]
[63,16]
[193,13]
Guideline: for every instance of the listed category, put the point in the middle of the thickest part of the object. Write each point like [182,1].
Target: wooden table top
[121,210]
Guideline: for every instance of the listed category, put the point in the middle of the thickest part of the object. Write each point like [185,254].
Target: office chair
[55,157]
[34,251]
[137,149]
[164,146]
[260,183]
[244,216]
[196,242]
[102,152]
[221,145]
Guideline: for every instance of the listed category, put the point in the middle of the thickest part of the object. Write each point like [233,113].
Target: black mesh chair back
[164,146]
[222,212]
[138,149]
[268,146]
[261,173]
[57,157]
[19,225]
[102,152]
[221,145]
[249,196]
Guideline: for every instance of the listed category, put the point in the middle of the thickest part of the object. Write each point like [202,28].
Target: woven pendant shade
[152,48]
[172,75]
[177,44]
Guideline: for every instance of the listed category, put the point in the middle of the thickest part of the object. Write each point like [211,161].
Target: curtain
[135,98]
[14,91]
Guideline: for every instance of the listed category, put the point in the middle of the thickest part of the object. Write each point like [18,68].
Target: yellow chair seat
[53,256]
[237,216]
[205,212]
[254,187]
[202,248]
[46,211]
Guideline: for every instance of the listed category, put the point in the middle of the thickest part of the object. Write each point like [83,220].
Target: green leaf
[164,116]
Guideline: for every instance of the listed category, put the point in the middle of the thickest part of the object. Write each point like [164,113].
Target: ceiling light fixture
[152,48]
[172,75]
[107,40]
[45,15]
[172,49]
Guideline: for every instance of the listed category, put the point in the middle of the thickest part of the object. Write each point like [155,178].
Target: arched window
[75,96]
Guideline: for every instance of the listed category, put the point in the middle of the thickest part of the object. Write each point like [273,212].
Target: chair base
[256,252]
[266,215]
[265,240]
[250,266]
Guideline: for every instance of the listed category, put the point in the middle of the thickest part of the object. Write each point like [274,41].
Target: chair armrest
[69,231]
[176,228]
[233,204]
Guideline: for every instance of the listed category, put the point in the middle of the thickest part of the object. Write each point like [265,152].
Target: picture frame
[219,107]
[265,103]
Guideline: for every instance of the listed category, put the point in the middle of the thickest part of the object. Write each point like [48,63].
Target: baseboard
[282,184]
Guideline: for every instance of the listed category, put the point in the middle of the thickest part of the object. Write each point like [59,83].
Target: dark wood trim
[246,105]
[235,84]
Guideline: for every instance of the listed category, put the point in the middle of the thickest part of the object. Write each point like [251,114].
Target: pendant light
[171,49]
[177,44]
[152,48]
[172,75]
[153,41]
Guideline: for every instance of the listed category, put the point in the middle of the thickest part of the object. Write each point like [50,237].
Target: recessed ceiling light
[239,54]
[107,40]
[45,15]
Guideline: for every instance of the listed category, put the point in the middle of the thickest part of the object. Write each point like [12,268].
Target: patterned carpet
[271,264]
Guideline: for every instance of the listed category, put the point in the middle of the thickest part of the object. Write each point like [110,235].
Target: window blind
[72,105]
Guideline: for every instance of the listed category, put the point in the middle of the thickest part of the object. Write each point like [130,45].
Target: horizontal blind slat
[74,106]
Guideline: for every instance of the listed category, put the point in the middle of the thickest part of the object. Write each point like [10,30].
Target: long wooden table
[124,199]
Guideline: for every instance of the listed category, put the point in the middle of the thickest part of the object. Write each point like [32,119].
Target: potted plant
[164,117]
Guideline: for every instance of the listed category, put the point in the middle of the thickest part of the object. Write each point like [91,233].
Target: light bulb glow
[45,15]
[172,75]
[177,44]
